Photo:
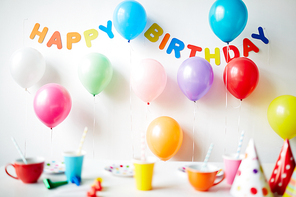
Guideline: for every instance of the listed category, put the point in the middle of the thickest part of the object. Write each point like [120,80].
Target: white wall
[120,116]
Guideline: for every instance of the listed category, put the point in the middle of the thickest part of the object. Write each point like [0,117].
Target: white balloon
[27,66]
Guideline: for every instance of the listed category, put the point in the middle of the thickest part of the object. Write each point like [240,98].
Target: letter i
[164,41]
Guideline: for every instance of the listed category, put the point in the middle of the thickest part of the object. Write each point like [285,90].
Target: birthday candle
[143,147]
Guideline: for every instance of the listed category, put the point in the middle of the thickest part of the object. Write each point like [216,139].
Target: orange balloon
[164,137]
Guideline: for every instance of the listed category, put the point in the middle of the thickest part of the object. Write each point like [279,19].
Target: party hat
[291,188]
[283,170]
[250,179]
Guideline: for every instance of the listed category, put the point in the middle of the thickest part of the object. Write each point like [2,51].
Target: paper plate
[54,167]
[120,170]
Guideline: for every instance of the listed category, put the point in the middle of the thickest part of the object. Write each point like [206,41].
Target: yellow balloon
[281,115]
[164,137]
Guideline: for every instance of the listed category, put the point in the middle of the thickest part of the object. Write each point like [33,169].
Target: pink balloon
[148,80]
[52,104]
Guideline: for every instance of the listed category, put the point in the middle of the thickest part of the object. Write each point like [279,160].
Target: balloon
[129,19]
[195,77]
[27,66]
[164,137]
[52,104]
[242,76]
[95,72]
[148,79]
[281,116]
[228,19]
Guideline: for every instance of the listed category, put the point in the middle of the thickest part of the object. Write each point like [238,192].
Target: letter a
[249,46]
[55,39]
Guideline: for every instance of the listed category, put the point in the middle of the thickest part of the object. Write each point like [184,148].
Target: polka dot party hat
[250,180]
[283,170]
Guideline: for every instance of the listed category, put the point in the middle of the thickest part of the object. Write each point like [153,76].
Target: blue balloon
[129,19]
[228,19]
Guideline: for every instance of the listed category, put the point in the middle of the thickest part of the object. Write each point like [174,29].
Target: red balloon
[241,76]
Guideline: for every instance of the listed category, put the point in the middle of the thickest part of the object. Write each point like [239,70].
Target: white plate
[121,170]
[54,167]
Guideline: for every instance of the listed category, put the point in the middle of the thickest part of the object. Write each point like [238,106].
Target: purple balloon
[195,77]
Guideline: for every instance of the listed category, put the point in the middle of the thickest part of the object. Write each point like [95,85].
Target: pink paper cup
[231,164]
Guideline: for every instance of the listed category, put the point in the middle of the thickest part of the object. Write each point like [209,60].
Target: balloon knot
[148,103]
[241,99]
[129,41]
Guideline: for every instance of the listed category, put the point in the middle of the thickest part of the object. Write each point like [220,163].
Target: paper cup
[144,173]
[73,164]
[231,164]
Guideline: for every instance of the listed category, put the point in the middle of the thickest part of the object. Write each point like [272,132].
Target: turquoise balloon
[228,19]
[95,72]
[129,19]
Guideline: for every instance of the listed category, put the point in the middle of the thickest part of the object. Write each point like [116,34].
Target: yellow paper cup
[144,173]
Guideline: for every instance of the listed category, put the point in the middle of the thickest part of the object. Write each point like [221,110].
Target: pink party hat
[250,180]
[283,170]
[291,188]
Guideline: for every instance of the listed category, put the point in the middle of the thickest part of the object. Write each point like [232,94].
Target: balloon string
[51,147]
[24,31]
[193,129]
[240,104]
[268,48]
[131,118]
[268,57]
[27,125]
[25,150]
[226,82]
[239,115]
[143,138]
[131,111]
[94,126]
[26,89]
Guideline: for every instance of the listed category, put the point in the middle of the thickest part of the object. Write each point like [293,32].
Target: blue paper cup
[73,164]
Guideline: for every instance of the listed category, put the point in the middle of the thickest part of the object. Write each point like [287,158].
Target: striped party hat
[291,188]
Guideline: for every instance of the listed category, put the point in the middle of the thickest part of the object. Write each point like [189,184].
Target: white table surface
[167,181]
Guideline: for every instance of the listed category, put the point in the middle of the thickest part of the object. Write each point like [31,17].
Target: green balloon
[95,72]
